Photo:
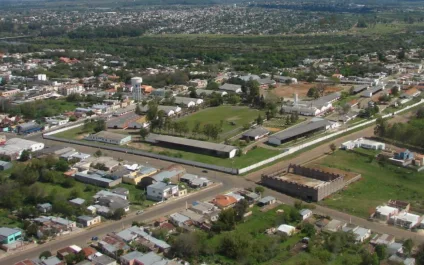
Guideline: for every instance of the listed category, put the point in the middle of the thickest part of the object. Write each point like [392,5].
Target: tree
[226,221]
[240,209]
[118,214]
[395,91]
[45,254]
[420,113]
[99,125]
[381,251]
[98,153]
[62,165]
[259,190]
[308,229]
[212,86]
[313,93]
[420,255]
[196,128]
[259,120]
[70,258]
[25,155]
[236,245]
[143,133]
[381,127]
[138,110]
[189,245]
[333,147]
[408,245]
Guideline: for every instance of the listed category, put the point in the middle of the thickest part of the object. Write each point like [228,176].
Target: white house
[87,221]
[286,230]
[364,143]
[384,212]
[160,191]
[305,213]
[406,220]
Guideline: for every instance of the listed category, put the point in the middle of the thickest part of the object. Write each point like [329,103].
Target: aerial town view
[214,132]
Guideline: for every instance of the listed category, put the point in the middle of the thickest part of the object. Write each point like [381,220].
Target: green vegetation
[407,133]
[40,108]
[380,182]
[228,114]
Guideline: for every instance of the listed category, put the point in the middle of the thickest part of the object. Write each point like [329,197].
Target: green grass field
[228,114]
[379,183]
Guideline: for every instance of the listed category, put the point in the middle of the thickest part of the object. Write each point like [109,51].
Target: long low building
[14,147]
[110,138]
[215,149]
[97,180]
[299,131]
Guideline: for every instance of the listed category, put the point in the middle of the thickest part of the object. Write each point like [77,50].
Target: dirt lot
[287,91]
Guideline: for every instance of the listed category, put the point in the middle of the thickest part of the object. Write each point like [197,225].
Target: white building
[305,213]
[364,143]
[385,212]
[14,147]
[110,138]
[136,88]
[160,191]
[406,220]
[286,230]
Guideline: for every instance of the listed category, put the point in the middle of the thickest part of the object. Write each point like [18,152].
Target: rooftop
[310,182]
[111,136]
[300,129]
[154,138]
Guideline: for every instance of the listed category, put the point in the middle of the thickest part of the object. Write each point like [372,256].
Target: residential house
[406,220]
[111,244]
[305,213]
[4,165]
[87,221]
[172,173]
[334,226]
[395,259]
[395,248]
[202,207]
[383,239]
[129,259]
[287,230]
[70,250]
[231,88]
[196,218]
[179,220]
[77,202]
[250,197]
[268,200]
[361,234]
[405,154]
[103,260]
[9,235]
[44,207]
[161,191]
[138,234]
[224,201]
[384,212]
[136,176]
[52,261]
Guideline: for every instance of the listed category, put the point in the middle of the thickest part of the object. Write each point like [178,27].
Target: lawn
[379,183]
[70,134]
[228,114]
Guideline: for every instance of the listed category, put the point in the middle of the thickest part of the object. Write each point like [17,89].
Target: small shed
[4,165]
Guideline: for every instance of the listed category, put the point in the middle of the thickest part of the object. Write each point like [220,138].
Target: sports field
[232,117]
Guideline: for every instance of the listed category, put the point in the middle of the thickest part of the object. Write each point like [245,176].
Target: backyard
[380,182]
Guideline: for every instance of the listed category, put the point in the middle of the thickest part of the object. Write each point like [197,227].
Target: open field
[301,89]
[227,114]
[379,183]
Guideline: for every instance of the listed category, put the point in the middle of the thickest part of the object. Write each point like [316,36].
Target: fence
[305,145]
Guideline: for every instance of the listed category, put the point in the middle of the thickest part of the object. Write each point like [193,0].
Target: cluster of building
[398,213]
[104,251]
